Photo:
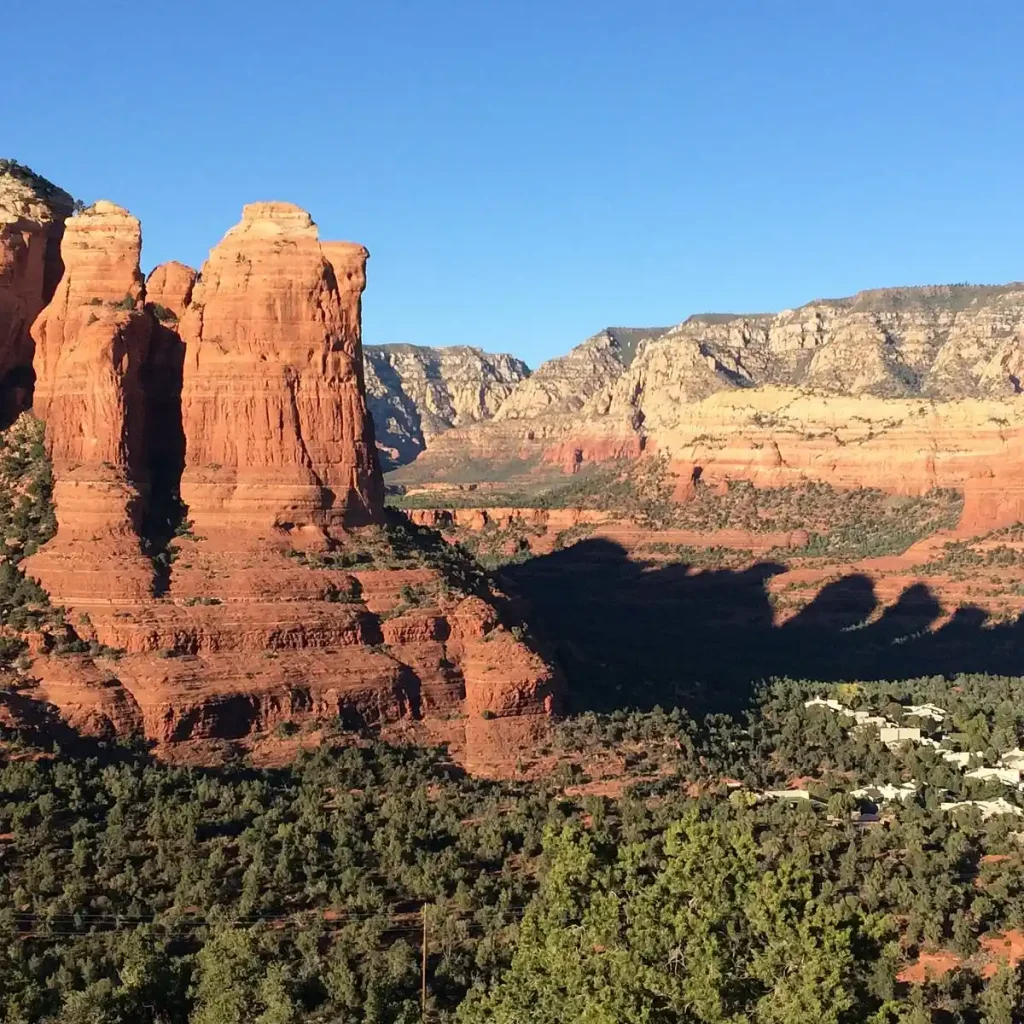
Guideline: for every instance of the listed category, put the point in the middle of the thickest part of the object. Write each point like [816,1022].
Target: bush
[163,314]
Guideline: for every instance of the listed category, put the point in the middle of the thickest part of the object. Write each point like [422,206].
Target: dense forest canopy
[133,890]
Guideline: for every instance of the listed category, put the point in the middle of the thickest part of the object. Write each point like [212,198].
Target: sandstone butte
[220,509]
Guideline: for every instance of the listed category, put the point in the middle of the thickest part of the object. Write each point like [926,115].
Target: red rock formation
[32,215]
[168,293]
[91,343]
[278,439]
[251,624]
[169,286]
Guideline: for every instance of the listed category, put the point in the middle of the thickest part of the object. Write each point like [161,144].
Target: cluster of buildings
[1008,770]
[891,733]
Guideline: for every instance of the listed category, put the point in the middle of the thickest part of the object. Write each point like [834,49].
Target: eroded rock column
[91,343]
[278,438]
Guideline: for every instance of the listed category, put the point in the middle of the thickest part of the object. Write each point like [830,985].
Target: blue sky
[525,172]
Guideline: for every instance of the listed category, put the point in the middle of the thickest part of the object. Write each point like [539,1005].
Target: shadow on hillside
[628,635]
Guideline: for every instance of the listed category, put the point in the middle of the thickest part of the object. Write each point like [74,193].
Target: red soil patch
[611,788]
[1007,948]
[933,965]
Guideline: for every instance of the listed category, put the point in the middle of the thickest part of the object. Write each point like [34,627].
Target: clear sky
[525,172]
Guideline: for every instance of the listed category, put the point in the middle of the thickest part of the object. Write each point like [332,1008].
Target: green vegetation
[400,544]
[40,185]
[840,523]
[614,486]
[715,557]
[27,518]
[134,890]
[471,473]
[27,521]
[995,550]
[408,598]
[163,314]
[495,546]
[954,297]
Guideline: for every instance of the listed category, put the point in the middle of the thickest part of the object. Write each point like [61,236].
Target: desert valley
[675,679]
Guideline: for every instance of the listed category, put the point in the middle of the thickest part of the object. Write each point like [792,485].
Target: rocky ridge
[414,393]
[562,386]
[771,395]
[221,538]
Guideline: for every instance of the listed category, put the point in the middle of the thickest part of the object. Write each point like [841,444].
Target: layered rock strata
[285,596]
[32,215]
[274,416]
[415,393]
[902,389]
[91,344]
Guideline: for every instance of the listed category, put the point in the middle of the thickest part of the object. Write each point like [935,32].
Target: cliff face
[545,407]
[776,437]
[563,385]
[762,397]
[415,393]
[944,343]
[275,422]
[91,344]
[32,215]
[280,591]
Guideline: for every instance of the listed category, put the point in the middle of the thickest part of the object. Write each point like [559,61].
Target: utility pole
[423,967]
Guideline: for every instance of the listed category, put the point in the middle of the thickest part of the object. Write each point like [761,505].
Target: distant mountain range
[941,342]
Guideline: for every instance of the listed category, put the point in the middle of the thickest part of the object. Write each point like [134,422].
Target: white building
[1007,776]
[959,758]
[988,808]
[886,792]
[865,718]
[932,711]
[786,794]
[892,735]
[1013,758]
[830,703]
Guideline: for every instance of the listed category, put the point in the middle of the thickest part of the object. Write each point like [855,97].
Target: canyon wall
[32,215]
[903,389]
[415,393]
